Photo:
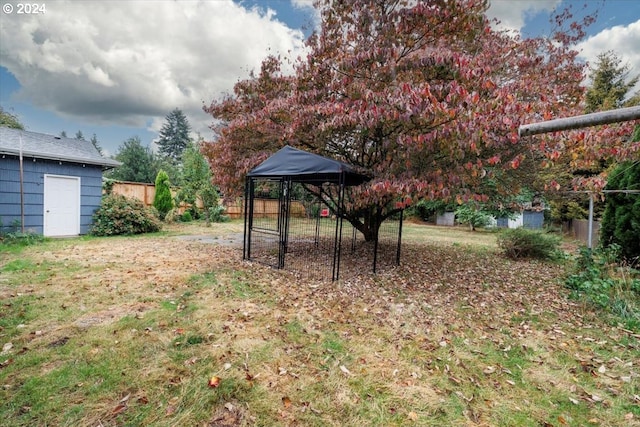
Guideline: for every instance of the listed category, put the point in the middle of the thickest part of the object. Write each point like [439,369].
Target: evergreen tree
[621,218]
[63,134]
[94,141]
[196,180]
[138,162]
[162,200]
[174,135]
[9,120]
[79,135]
[610,83]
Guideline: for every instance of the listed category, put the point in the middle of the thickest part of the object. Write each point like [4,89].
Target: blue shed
[59,188]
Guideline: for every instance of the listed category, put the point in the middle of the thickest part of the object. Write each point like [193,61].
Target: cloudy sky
[117,68]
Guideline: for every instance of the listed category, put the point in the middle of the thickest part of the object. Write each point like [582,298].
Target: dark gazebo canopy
[310,236]
[304,167]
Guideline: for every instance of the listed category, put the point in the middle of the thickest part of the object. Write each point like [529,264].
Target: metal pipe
[585,120]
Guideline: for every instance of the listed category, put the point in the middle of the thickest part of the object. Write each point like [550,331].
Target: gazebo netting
[289,225]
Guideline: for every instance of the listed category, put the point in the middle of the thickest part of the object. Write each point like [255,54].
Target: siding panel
[34,171]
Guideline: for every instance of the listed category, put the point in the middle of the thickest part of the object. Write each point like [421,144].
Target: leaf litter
[458,311]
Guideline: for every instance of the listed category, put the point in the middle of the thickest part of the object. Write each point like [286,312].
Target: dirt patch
[102,281]
[111,315]
[234,239]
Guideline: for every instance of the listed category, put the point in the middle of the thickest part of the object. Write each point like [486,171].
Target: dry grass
[128,331]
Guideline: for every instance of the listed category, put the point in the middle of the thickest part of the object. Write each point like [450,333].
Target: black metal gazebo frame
[283,170]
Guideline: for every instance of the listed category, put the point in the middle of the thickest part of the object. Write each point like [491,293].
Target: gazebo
[294,214]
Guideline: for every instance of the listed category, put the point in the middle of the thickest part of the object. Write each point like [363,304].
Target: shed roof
[43,146]
[302,166]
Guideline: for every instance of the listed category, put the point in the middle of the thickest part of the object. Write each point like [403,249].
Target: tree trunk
[369,224]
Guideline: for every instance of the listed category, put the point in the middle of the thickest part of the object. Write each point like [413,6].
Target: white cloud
[513,14]
[130,63]
[623,40]
[302,4]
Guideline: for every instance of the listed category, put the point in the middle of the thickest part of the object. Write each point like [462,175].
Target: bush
[469,215]
[186,217]
[18,238]
[163,201]
[216,214]
[600,280]
[523,243]
[427,209]
[121,215]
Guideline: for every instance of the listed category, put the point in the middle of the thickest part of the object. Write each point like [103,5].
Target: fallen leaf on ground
[191,361]
[489,370]
[214,381]
[286,401]
[119,409]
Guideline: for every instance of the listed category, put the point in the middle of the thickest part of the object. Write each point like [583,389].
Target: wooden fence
[262,207]
[144,192]
[137,190]
[579,229]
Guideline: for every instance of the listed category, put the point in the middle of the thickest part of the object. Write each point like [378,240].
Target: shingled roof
[42,146]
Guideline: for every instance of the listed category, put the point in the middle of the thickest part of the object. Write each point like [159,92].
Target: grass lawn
[167,331]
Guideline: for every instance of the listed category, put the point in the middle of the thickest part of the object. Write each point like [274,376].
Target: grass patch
[128,331]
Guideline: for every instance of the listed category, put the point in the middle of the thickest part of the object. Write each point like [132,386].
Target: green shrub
[599,280]
[216,214]
[163,201]
[121,215]
[21,239]
[107,185]
[473,217]
[16,237]
[524,243]
[186,217]
[427,209]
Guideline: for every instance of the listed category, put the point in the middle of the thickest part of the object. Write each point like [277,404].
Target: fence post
[590,227]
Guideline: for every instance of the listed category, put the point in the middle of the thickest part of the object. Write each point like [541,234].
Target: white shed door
[61,205]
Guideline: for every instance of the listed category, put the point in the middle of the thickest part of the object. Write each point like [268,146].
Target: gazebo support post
[399,238]
[248,217]
[317,236]
[337,243]
[375,251]
[353,239]
[283,219]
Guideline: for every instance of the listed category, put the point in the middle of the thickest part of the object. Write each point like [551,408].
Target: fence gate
[283,220]
[266,221]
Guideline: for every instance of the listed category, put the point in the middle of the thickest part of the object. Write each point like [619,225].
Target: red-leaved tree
[423,95]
